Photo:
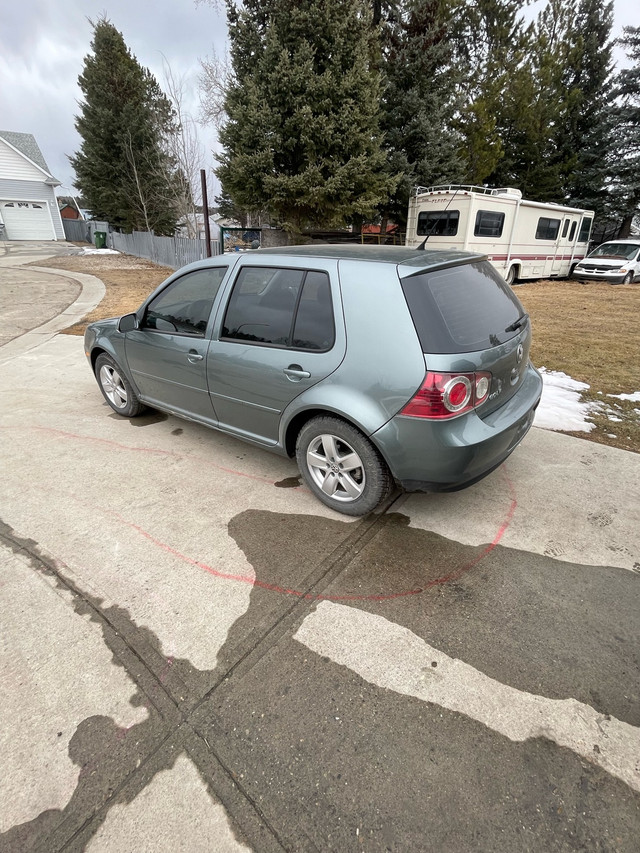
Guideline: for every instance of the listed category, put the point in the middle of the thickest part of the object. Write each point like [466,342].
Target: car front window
[628,251]
[184,306]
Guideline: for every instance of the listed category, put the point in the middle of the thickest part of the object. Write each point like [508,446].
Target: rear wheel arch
[512,274]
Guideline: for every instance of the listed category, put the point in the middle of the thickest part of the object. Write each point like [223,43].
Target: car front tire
[116,388]
[628,279]
[341,466]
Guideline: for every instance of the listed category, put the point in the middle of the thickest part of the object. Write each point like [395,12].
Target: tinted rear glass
[461,309]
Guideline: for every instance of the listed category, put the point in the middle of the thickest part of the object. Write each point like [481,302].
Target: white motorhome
[523,239]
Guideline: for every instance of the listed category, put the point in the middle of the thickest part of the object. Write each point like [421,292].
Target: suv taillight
[447,395]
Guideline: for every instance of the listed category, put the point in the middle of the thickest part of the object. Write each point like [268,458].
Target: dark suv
[372,365]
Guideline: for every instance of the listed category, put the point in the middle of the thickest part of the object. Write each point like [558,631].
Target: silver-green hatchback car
[373,366]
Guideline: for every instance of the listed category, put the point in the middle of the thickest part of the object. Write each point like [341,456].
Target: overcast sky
[43,43]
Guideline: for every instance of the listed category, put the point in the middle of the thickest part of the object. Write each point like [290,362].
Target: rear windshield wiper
[519,322]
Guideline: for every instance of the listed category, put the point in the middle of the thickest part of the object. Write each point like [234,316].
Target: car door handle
[295,373]
[194,356]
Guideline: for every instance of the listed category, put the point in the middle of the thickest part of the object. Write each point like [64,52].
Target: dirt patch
[128,281]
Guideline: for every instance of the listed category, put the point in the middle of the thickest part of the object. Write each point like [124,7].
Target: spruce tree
[419,101]
[533,106]
[583,138]
[302,139]
[490,42]
[122,167]
[625,123]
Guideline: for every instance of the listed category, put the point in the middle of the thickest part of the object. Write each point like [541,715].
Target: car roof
[621,240]
[418,258]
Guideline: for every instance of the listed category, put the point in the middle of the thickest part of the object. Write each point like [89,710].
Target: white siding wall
[13,165]
[11,190]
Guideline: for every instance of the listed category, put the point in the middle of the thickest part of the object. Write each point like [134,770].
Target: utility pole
[205,211]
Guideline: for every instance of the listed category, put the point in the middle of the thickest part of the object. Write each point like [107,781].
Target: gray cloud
[43,44]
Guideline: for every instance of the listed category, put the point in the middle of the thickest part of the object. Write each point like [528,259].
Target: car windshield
[616,250]
[462,309]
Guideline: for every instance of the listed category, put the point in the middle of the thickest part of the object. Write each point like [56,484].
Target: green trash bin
[100,238]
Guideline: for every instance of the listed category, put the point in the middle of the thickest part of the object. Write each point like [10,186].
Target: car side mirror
[128,323]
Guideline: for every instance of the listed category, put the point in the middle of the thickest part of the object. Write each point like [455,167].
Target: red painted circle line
[444,579]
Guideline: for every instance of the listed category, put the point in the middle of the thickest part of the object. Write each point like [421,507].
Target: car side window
[314,327]
[185,305]
[281,307]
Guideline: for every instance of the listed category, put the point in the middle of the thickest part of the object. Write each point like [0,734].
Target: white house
[28,206]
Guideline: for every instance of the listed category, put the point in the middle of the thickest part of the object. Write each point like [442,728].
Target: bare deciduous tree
[186,151]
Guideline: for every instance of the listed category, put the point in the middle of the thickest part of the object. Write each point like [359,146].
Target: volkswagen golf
[375,367]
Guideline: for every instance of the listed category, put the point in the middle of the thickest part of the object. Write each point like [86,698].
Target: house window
[489,223]
[39,206]
[547,228]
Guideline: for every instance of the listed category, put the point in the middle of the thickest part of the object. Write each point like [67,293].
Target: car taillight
[447,395]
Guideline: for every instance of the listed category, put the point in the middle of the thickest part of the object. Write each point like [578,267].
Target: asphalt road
[197,655]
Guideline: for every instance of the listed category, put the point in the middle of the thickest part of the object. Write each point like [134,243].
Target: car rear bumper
[436,456]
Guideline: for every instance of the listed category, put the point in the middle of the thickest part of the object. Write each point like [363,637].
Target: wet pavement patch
[288,483]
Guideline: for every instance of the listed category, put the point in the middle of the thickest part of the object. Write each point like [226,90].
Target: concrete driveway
[197,655]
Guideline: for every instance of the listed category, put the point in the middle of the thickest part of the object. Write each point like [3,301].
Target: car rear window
[461,309]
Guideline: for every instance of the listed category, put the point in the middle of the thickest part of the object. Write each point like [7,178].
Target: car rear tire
[341,466]
[116,388]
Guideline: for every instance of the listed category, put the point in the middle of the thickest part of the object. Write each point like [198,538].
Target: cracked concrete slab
[55,671]
[177,800]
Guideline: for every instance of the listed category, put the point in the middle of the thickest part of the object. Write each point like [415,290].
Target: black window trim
[287,347]
[145,307]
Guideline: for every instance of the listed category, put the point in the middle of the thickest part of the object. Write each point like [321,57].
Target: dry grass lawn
[589,331]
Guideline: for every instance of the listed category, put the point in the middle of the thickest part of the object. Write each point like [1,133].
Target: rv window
[585,230]
[488,224]
[572,233]
[565,228]
[438,223]
[547,228]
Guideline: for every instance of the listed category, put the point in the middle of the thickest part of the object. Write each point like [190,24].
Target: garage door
[26,220]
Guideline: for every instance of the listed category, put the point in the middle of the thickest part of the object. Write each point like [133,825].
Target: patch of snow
[99,252]
[611,435]
[560,407]
[634,398]
[615,419]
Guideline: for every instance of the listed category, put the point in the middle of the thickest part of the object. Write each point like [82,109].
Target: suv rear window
[461,309]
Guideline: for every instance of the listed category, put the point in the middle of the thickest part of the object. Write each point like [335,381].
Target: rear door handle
[295,373]
[194,356]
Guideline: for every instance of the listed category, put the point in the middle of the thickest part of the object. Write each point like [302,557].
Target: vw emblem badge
[519,353]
